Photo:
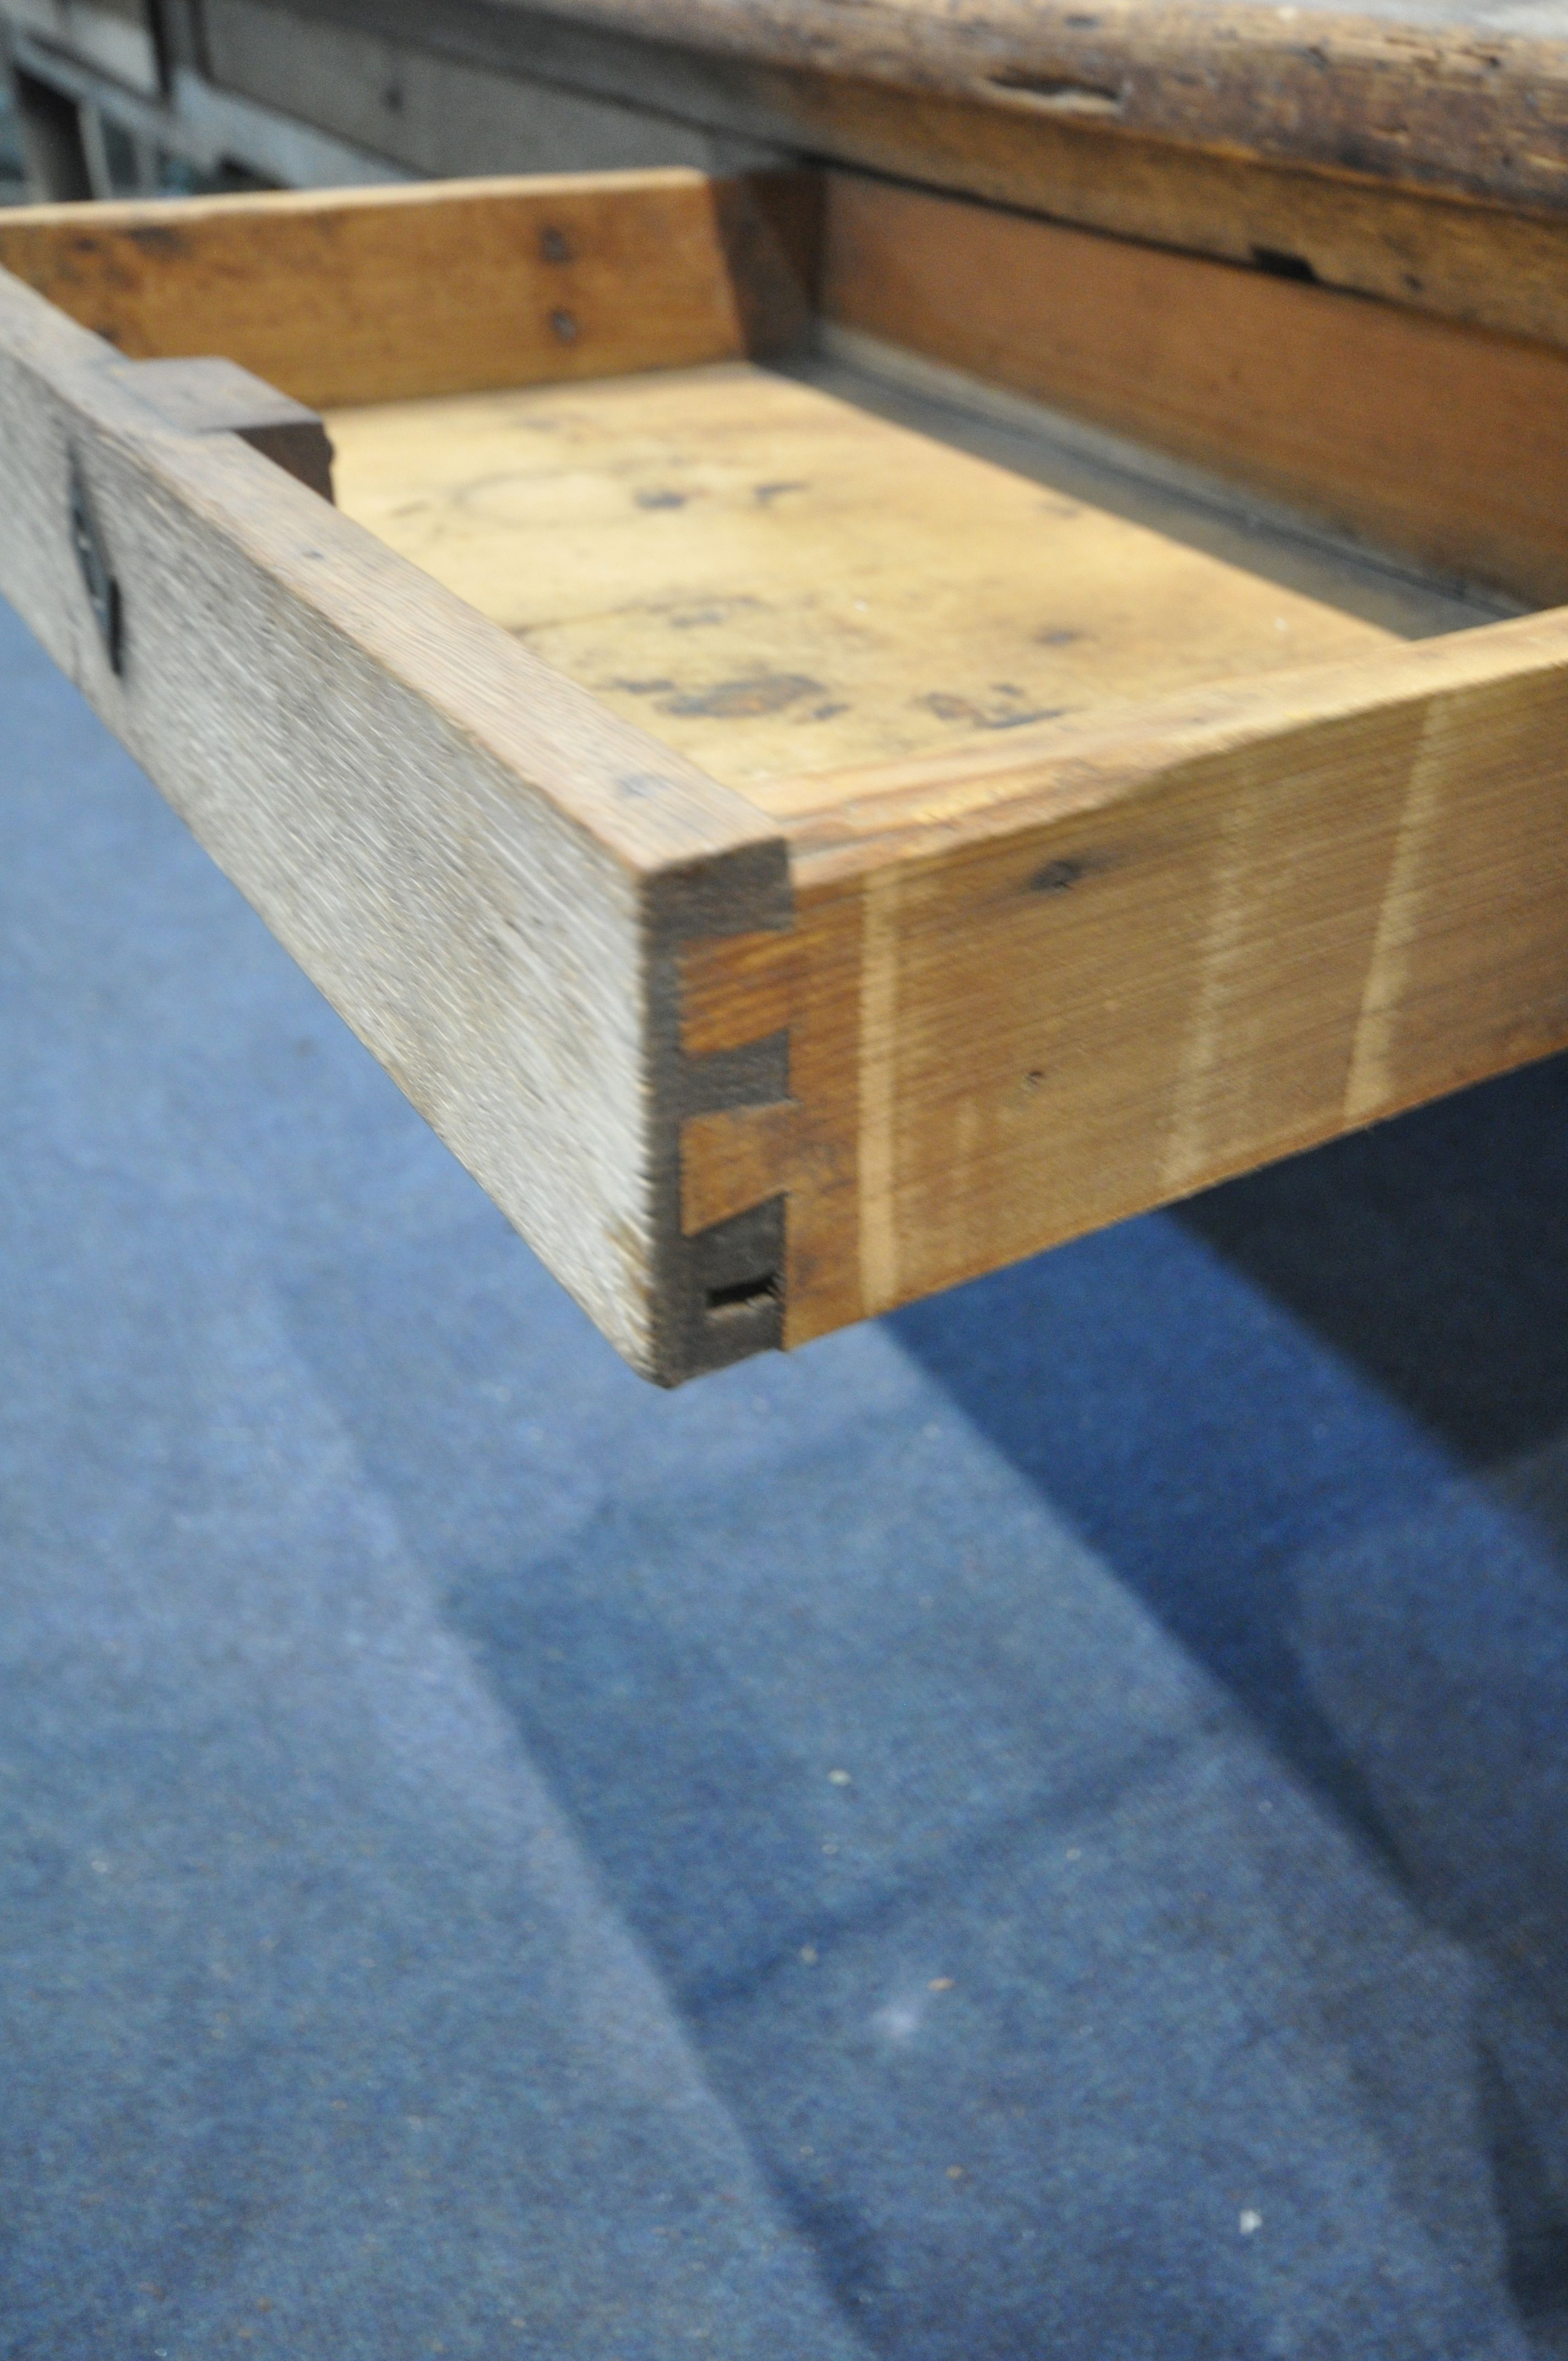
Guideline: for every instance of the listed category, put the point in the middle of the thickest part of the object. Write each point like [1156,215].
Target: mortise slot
[741,1294]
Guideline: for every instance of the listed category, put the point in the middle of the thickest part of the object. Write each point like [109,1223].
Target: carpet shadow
[1431,1251]
[1288,1413]
[1012,1936]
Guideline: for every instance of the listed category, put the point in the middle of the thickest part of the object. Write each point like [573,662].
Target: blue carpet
[1035,1828]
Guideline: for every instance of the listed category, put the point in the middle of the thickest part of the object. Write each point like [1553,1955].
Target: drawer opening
[1442,445]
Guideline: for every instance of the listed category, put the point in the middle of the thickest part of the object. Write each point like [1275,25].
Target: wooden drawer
[804,824]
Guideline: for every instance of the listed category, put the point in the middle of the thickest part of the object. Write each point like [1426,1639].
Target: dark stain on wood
[744,700]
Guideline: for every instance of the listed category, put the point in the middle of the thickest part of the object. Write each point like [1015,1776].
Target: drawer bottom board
[785,584]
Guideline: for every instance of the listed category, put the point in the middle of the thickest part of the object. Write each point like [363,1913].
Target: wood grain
[217,397]
[1459,260]
[1447,443]
[1478,112]
[732,1158]
[368,294]
[782,583]
[1229,928]
[489,876]
[737,990]
[1017,972]
[508,88]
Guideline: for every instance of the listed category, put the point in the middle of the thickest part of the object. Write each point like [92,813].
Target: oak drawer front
[798,852]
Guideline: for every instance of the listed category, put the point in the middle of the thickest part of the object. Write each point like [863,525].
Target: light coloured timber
[746,1067]
[1133,962]
[783,585]
[353,295]
[1446,443]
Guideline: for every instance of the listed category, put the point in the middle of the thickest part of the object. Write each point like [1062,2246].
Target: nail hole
[1057,876]
[1280,265]
[555,246]
[565,325]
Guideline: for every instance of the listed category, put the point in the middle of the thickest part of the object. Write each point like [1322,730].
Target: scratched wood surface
[784,584]
[1441,98]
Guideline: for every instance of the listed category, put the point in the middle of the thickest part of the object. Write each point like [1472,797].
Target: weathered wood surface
[1042,975]
[1446,442]
[782,584]
[740,1077]
[499,86]
[365,294]
[1453,257]
[1450,105]
[1031,992]
[217,397]
[485,873]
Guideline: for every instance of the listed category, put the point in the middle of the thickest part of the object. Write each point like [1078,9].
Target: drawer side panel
[481,870]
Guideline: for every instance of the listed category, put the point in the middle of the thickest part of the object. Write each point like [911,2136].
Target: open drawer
[805,825]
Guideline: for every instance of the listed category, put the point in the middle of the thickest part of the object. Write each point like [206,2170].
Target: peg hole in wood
[1281,265]
[1058,876]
